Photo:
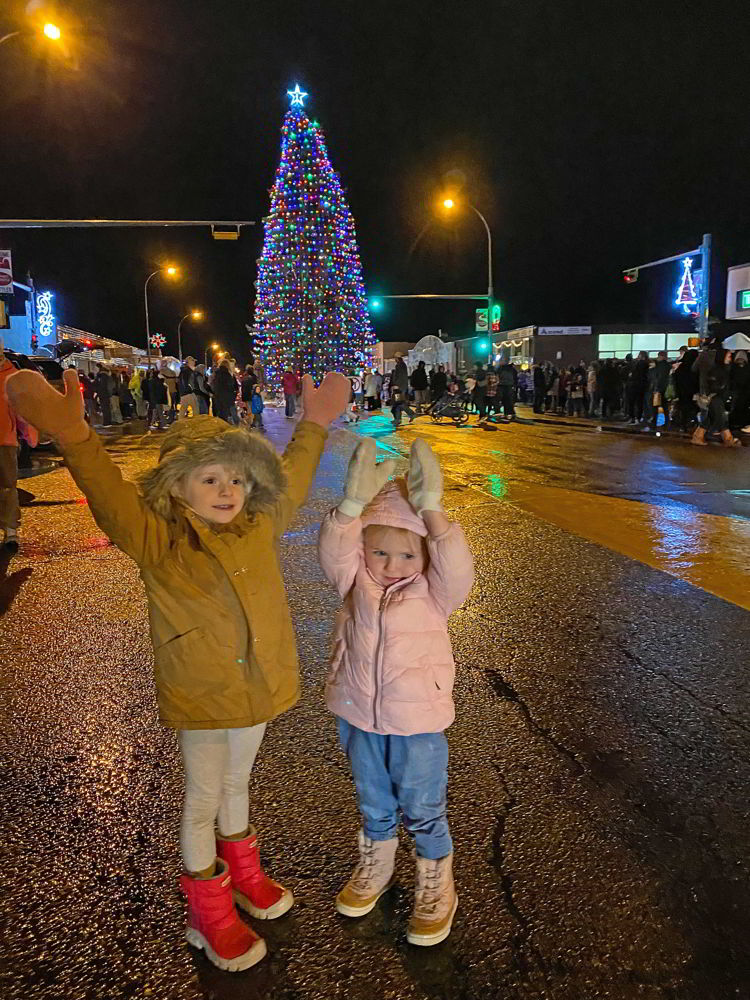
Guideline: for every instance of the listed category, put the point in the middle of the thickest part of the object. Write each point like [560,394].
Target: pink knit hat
[391,508]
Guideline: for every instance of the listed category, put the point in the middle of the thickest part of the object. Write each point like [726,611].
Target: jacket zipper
[379,656]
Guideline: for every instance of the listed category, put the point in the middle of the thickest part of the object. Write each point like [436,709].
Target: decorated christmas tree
[311,309]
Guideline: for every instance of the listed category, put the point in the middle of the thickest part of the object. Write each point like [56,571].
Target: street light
[50,31]
[171,271]
[194,314]
[448,204]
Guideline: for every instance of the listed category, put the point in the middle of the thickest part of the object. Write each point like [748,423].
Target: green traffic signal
[375,304]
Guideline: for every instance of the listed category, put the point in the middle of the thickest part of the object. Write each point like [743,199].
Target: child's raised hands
[51,412]
[425,478]
[328,401]
[364,478]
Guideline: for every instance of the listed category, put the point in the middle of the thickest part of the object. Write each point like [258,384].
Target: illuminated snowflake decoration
[45,315]
[157,340]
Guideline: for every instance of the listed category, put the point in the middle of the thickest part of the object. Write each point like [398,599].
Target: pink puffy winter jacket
[392,667]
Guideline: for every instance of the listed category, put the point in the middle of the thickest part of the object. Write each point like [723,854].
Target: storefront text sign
[6,273]
[564,331]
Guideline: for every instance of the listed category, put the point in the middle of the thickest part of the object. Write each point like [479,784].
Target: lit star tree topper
[311,306]
[686,296]
[298,96]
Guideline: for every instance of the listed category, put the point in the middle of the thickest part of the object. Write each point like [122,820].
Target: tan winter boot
[699,436]
[435,902]
[370,879]
[729,440]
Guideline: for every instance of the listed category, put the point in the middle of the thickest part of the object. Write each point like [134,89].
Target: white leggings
[217,765]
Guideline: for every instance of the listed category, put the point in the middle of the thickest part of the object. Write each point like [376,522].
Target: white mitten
[425,479]
[364,478]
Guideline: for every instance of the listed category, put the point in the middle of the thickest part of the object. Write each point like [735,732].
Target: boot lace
[429,890]
[364,874]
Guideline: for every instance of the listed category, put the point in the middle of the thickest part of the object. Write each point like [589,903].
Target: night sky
[593,135]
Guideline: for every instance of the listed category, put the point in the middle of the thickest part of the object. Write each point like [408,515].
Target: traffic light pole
[631,274]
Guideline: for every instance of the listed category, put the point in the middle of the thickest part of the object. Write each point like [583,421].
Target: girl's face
[214,492]
[392,554]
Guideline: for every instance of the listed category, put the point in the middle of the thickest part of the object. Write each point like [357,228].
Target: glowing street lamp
[448,205]
[210,349]
[49,30]
[172,272]
[194,314]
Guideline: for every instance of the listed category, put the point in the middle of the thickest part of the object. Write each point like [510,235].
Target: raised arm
[117,506]
[340,539]
[303,452]
[450,575]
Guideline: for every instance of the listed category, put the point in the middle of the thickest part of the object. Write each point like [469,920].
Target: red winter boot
[214,924]
[253,890]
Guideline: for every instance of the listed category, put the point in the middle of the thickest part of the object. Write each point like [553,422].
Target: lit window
[652,343]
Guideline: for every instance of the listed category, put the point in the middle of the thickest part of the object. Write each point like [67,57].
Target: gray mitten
[425,478]
[364,478]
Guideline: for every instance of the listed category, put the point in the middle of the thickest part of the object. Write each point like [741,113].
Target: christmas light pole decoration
[686,295]
[157,341]
[311,309]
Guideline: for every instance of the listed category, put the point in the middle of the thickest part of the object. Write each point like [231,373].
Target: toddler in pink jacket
[401,568]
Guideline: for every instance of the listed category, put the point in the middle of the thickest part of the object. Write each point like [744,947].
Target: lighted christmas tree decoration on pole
[686,296]
[311,310]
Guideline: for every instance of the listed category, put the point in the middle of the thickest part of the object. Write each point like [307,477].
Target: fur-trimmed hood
[203,440]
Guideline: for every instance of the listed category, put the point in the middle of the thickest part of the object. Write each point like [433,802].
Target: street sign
[482,322]
[6,273]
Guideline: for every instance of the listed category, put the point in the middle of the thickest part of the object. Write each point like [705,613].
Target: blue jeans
[407,773]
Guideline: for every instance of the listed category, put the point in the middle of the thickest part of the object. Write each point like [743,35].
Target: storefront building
[570,345]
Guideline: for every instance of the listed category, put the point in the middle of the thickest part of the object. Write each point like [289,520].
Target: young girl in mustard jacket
[204,530]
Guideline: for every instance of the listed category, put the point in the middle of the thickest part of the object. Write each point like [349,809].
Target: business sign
[482,321]
[564,331]
[6,273]
[738,292]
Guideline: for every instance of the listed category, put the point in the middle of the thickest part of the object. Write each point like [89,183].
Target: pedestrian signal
[630,277]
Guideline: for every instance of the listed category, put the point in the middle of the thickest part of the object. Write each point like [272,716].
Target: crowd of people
[160,396]
[705,391]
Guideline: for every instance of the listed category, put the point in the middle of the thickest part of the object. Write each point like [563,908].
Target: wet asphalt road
[599,770]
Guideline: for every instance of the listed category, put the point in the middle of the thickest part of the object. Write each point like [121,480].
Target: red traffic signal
[630,277]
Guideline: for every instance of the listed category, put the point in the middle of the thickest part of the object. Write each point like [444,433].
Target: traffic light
[375,304]
[34,343]
[497,312]
[630,277]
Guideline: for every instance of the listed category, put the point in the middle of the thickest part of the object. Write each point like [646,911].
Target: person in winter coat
[11,426]
[290,385]
[715,381]
[507,386]
[186,387]
[257,407]
[658,380]
[438,383]
[104,387]
[400,391]
[636,388]
[401,568]
[134,385]
[373,387]
[204,529]
[419,383]
[479,395]
[158,394]
[202,389]
[540,387]
[225,391]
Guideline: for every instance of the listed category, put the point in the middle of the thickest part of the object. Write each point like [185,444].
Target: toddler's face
[391,554]
[214,492]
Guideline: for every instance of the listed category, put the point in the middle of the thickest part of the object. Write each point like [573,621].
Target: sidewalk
[610,426]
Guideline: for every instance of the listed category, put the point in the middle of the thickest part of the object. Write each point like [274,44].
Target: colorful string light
[311,308]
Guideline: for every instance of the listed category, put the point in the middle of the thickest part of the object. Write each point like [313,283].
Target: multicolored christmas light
[158,341]
[311,307]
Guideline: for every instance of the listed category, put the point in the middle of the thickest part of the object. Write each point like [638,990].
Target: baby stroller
[449,407]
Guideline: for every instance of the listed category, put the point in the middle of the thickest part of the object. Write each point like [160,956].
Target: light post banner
[6,273]
[482,321]
[564,331]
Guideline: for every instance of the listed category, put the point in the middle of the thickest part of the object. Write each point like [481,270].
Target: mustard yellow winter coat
[224,648]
